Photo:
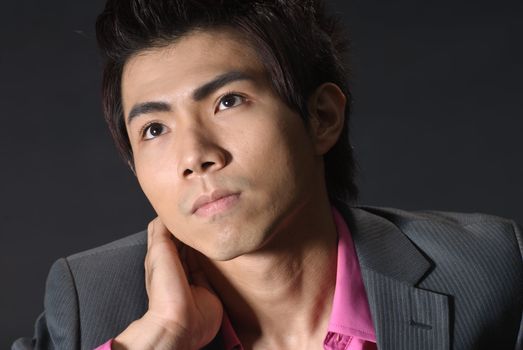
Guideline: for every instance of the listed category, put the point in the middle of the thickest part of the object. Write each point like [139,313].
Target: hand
[181,315]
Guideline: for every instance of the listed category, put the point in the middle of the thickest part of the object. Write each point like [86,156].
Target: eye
[229,101]
[153,130]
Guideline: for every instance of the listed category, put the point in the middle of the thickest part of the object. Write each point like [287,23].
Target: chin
[221,255]
[222,252]
[230,244]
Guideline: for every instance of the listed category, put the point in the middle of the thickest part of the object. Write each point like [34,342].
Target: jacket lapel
[404,317]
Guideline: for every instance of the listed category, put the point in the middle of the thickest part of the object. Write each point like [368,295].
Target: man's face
[205,120]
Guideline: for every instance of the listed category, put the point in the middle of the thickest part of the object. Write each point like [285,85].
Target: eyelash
[146,127]
[227,94]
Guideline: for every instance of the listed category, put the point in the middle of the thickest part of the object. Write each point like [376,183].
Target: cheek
[147,175]
[157,180]
[277,152]
[160,190]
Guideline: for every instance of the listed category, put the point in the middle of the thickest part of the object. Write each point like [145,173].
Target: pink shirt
[350,325]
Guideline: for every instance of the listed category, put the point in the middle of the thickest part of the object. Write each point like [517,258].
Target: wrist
[150,332]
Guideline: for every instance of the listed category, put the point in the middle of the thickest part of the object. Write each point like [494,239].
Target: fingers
[171,264]
[164,270]
[154,229]
[173,302]
[157,233]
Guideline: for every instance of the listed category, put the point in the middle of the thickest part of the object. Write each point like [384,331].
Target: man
[234,117]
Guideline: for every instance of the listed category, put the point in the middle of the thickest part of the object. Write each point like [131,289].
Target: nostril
[207,165]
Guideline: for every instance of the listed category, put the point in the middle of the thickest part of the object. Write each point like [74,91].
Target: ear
[326,116]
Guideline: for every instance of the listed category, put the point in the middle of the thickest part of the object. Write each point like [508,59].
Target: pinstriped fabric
[382,247]
[475,260]
[110,283]
[404,317]
[57,328]
[92,296]
[62,300]
[518,232]
[474,264]
[389,305]
[429,317]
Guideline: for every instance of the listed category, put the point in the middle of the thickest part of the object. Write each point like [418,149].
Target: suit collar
[404,316]
[384,249]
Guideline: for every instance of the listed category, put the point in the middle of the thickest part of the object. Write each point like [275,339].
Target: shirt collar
[350,308]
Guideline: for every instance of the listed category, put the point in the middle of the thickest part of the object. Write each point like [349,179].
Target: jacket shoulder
[91,296]
[109,283]
[486,234]
[137,241]
[401,217]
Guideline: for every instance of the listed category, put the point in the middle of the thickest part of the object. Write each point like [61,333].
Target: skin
[269,259]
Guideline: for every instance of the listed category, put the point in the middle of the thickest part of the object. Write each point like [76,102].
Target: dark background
[437,124]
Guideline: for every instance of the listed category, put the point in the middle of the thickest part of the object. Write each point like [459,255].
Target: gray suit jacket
[434,281]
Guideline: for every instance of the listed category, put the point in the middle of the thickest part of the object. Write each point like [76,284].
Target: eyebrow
[147,107]
[198,94]
[221,80]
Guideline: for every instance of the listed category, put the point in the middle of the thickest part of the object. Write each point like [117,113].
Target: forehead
[186,63]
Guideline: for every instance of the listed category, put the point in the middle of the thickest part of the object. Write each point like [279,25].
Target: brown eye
[153,130]
[229,101]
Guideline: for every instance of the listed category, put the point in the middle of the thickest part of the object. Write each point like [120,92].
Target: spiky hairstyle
[300,46]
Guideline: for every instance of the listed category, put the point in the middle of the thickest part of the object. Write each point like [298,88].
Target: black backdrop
[437,124]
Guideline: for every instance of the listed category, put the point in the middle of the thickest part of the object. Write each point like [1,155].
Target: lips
[211,197]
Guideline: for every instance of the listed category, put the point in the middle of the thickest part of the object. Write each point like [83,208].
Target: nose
[200,153]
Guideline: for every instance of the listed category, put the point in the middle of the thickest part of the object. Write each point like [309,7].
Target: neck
[285,288]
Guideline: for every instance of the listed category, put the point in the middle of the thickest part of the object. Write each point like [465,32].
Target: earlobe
[327,116]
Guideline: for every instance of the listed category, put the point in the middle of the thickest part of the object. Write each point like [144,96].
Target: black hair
[299,45]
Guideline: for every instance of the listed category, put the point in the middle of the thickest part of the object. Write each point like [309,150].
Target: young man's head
[240,98]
